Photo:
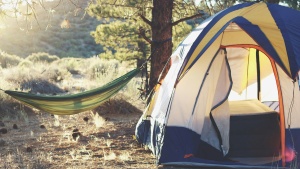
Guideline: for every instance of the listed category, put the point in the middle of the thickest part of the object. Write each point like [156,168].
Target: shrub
[7,60]
[25,63]
[57,74]
[29,80]
[41,86]
[101,67]
[42,57]
[73,65]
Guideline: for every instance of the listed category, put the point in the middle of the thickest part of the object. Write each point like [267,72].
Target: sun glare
[8,4]
[13,4]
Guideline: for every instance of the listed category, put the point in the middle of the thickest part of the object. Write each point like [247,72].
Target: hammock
[75,103]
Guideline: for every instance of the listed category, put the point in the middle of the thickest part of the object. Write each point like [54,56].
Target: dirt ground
[85,140]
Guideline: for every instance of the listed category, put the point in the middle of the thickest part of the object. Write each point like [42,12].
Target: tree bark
[161,47]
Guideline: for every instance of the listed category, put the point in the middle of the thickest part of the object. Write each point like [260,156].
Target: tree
[134,25]
[292,3]
[153,21]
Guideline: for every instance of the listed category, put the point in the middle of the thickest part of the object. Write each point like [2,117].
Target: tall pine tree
[155,20]
[139,28]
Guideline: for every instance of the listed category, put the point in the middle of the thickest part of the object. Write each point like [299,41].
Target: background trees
[154,21]
[127,29]
[139,28]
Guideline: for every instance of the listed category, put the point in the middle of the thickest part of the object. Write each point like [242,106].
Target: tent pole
[281,113]
[258,75]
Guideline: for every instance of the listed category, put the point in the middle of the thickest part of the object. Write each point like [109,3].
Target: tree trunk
[161,48]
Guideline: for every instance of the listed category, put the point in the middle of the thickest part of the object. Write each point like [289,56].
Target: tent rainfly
[230,98]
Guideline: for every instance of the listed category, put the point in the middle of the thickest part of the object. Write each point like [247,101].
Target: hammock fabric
[76,103]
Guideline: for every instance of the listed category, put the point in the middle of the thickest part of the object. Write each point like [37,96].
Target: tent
[231,96]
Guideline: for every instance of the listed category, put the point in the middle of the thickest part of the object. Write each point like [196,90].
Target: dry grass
[102,138]
[109,146]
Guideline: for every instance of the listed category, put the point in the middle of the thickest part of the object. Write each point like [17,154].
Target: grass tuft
[98,120]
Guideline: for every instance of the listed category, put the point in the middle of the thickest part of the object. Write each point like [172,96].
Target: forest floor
[86,140]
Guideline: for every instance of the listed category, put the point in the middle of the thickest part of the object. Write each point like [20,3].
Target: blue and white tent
[231,96]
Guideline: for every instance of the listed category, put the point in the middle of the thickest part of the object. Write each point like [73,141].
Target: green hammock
[76,103]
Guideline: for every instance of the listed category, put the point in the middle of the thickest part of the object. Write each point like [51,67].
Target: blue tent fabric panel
[180,141]
[142,131]
[289,27]
[259,37]
[214,20]
[292,141]
[284,18]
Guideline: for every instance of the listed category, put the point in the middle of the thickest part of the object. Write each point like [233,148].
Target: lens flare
[289,154]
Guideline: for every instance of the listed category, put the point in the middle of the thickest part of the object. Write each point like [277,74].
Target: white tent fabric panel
[192,111]
[238,61]
[182,107]
[244,74]
[291,97]
[243,67]
[165,90]
[163,96]
[268,91]
[218,86]
[265,66]
[159,104]
[186,44]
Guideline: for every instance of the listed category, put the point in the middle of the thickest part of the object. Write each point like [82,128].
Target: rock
[86,119]
[15,126]
[2,124]
[2,143]
[76,135]
[3,130]
[42,126]
[29,149]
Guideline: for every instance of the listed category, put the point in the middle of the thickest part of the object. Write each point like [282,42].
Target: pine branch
[145,20]
[117,5]
[142,33]
[187,18]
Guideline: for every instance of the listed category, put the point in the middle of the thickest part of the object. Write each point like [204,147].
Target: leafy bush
[7,60]
[42,57]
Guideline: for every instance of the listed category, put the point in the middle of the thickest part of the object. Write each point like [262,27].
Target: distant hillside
[21,37]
